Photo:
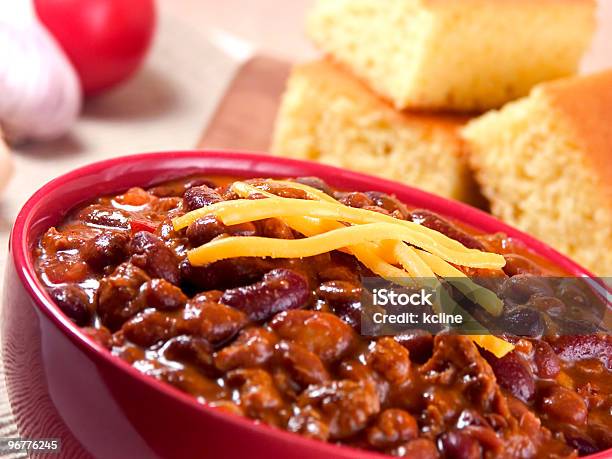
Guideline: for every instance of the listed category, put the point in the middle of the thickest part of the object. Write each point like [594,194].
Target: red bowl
[63,385]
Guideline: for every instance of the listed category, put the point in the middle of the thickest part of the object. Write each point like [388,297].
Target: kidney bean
[279,290]
[546,361]
[393,426]
[435,222]
[252,348]
[118,295]
[339,291]
[581,347]
[189,380]
[355,199]
[356,370]
[150,327]
[225,274]
[174,189]
[350,313]
[320,332]
[344,299]
[337,272]
[108,217]
[517,264]
[199,181]
[309,423]
[204,230]
[161,294]
[418,342]
[564,405]
[582,445]
[347,406]
[600,433]
[151,254]
[315,182]
[390,203]
[200,196]
[520,288]
[552,306]
[214,321]
[275,228]
[500,243]
[458,445]
[522,321]
[259,397]
[574,293]
[421,448]
[209,227]
[391,360]
[211,295]
[285,191]
[105,249]
[73,301]
[574,327]
[193,350]
[304,366]
[513,374]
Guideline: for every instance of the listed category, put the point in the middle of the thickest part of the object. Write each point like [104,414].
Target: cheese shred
[254,246]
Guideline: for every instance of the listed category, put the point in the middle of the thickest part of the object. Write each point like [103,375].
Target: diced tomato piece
[137,225]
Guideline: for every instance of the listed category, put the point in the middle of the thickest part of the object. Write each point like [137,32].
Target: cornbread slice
[545,163]
[328,116]
[451,54]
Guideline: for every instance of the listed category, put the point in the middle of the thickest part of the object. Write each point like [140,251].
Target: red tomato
[106,40]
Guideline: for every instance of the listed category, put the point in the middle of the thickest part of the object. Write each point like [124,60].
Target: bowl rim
[245,164]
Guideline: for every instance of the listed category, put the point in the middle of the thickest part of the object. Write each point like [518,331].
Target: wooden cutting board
[245,117]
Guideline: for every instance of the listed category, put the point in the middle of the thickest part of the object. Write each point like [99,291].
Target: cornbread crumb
[455,55]
[545,163]
[328,116]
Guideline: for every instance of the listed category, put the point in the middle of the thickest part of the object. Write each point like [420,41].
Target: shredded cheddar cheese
[378,241]
[410,261]
[245,210]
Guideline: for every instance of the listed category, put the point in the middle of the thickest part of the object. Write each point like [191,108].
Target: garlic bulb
[40,94]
